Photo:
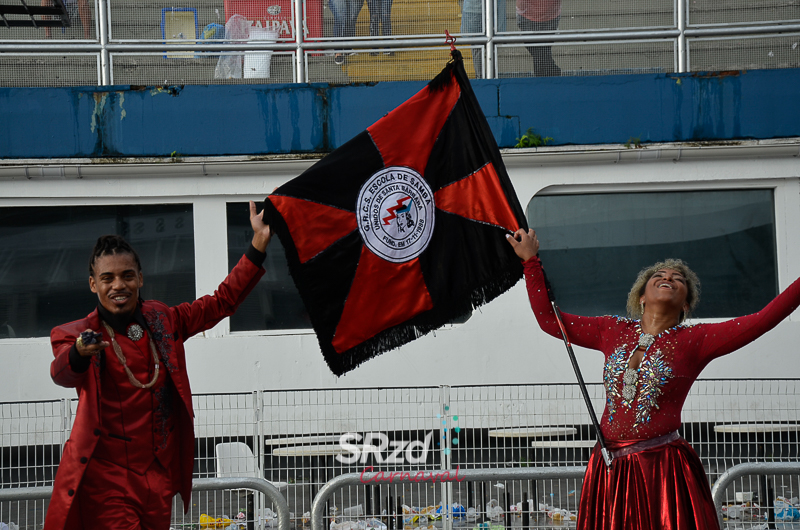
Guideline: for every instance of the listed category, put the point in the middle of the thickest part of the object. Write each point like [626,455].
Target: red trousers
[112,497]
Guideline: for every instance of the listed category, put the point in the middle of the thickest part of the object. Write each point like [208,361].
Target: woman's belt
[646,444]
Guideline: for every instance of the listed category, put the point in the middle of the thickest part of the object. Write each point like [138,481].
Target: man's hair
[112,244]
[692,286]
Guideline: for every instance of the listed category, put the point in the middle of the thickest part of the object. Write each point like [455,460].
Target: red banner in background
[278,16]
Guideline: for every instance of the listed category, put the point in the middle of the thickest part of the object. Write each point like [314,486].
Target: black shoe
[390,54]
[338,59]
[374,54]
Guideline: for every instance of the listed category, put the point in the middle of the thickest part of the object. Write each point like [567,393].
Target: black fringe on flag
[432,320]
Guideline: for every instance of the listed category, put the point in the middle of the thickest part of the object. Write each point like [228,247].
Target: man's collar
[120,323]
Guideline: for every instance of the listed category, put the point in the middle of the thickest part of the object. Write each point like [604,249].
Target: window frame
[209,183]
[211,266]
[57,202]
[782,188]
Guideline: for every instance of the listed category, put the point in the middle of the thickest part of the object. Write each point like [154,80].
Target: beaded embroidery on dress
[655,373]
[637,389]
[612,373]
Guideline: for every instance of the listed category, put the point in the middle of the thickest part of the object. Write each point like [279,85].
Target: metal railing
[256,484]
[133,45]
[291,434]
[203,484]
[766,510]
[445,477]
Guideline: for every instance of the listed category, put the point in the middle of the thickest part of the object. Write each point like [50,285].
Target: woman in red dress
[656,481]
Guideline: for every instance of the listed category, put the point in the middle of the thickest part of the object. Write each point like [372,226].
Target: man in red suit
[132,444]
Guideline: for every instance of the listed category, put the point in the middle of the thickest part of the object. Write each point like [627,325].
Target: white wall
[500,344]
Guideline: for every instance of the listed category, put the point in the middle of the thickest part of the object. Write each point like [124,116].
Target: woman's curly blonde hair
[692,285]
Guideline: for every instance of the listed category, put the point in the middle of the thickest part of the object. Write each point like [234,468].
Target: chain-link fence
[301,439]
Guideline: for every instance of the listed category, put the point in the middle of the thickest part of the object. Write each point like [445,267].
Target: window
[275,302]
[44,260]
[594,245]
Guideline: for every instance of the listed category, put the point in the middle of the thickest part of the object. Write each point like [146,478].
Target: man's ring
[79,342]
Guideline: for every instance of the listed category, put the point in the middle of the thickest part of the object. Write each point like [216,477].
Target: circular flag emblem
[395,214]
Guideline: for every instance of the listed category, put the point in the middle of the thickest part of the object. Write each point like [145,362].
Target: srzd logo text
[402,451]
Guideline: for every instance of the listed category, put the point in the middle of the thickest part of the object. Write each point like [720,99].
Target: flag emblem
[396,214]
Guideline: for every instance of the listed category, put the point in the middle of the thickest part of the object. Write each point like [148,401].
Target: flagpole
[607,457]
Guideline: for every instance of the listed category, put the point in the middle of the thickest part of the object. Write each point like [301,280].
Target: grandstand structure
[155,42]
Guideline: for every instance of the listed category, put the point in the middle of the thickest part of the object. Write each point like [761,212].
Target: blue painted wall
[268,119]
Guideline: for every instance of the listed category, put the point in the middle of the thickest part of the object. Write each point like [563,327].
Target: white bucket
[256,64]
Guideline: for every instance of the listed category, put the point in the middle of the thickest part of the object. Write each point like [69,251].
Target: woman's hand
[261,231]
[525,244]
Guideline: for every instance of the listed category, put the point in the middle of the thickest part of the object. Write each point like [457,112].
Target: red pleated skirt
[663,488]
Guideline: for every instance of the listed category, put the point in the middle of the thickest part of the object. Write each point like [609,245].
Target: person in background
[132,445]
[472,18]
[538,16]
[345,14]
[652,358]
[380,19]
[472,22]
[80,16]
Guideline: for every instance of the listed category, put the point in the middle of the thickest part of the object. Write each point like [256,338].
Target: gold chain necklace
[135,382]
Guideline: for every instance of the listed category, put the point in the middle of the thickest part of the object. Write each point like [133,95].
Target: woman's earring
[641,305]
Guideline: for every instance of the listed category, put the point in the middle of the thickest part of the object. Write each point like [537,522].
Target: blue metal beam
[216,120]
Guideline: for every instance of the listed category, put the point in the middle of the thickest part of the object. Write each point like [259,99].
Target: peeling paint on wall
[172,90]
[99,104]
[269,120]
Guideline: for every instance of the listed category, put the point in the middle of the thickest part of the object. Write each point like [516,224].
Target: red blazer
[170,327]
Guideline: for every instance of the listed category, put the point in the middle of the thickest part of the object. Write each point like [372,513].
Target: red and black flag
[402,229]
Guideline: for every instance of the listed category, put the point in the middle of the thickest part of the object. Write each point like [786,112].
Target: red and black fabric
[362,304]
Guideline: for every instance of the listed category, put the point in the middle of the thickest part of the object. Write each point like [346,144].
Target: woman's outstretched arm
[582,331]
[729,336]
